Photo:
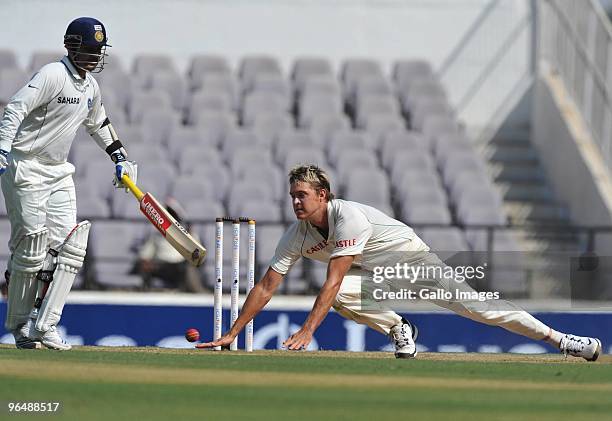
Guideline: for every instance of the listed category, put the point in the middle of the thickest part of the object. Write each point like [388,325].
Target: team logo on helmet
[99,36]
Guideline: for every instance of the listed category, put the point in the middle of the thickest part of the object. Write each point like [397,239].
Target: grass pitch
[157,384]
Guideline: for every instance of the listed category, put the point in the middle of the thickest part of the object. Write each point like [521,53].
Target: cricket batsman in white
[36,131]
[354,239]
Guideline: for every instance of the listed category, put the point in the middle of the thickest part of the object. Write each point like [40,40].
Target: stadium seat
[182,137]
[240,139]
[289,140]
[215,171]
[350,161]
[379,124]
[399,141]
[323,84]
[261,210]
[253,65]
[187,187]
[119,83]
[322,126]
[305,68]
[8,59]
[146,65]
[174,85]
[271,125]
[407,70]
[141,102]
[368,186]
[244,191]
[112,259]
[444,239]
[424,107]
[39,58]
[221,83]
[273,83]
[346,140]
[304,155]
[192,156]
[217,122]
[423,214]
[156,126]
[90,204]
[354,69]
[11,80]
[262,103]
[312,105]
[204,64]
[371,106]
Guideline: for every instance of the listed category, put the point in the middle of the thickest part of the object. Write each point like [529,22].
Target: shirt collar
[73,70]
[330,219]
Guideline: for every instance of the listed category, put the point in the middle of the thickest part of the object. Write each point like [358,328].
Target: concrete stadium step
[524,213]
[513,134]
[511,154]
[537,193]
[519,173]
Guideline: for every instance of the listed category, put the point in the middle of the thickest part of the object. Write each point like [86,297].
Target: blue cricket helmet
[86,42]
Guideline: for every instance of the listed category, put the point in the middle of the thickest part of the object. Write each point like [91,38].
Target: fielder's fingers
[206,345]
[290,340]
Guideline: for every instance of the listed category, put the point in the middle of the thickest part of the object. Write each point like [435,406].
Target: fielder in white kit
[354,239]
[37,129]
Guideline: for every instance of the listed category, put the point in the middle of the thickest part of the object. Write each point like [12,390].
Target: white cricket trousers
[39,195]
[500,313]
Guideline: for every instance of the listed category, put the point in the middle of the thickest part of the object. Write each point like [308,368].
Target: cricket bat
[175,234]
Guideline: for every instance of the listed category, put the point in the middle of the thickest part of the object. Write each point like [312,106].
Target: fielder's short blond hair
[313,175]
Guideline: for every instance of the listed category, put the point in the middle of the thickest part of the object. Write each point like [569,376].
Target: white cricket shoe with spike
[403,337]
[580,346]
[51,339]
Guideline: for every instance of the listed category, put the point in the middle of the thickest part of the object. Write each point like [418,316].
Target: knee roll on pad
[30,252]
[72,252]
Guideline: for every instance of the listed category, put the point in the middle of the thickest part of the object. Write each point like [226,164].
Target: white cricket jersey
[42,118]
[374,238]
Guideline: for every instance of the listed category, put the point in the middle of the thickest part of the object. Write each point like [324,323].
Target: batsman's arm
[259,296]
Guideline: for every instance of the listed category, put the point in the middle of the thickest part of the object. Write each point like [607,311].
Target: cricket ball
[192,335]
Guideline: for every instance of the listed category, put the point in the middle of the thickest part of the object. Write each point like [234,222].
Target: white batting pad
[69,261]
[26,261]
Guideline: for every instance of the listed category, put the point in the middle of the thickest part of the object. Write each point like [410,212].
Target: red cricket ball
[192,335]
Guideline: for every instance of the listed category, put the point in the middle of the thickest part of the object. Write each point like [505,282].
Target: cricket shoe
[580,346]
[51,339]
[403,337]
[22,339]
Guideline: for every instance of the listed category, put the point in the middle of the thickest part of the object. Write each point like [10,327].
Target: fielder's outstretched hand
[224,342]
[299,340]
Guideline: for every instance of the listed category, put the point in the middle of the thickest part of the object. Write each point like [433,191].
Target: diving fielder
[354,239]
[37,129]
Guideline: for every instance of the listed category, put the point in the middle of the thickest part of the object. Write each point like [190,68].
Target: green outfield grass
[157,384]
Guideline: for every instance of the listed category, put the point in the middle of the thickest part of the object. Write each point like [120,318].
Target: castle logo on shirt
[346,243]
[68,100]
[317,247]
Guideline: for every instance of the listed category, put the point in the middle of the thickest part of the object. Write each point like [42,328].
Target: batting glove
[125,167]
[3,160]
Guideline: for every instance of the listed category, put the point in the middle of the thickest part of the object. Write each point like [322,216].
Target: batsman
[47,244]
